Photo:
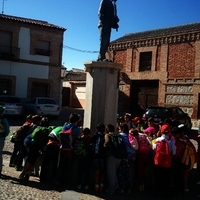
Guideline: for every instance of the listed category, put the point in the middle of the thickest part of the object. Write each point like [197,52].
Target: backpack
[21,133]
[143,144]
[97,149]
[132,139]
[40,135]
[55,133]
[189,154]
[117,146]
[80,150]
[66,138]
[162,156]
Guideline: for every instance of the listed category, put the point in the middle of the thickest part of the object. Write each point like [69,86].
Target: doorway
[144,93]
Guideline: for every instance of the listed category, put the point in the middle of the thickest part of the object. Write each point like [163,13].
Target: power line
[83,51]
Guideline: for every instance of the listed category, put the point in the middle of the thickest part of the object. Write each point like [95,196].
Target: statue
[108,19]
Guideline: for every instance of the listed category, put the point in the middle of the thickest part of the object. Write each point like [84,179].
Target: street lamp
[63,72]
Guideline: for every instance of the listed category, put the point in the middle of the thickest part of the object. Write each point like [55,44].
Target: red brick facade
[174,76]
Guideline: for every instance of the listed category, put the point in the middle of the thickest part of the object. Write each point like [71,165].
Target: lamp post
[63,73]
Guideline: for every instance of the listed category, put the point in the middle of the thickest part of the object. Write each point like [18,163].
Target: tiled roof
[163,32]
[75,76]
[30,21]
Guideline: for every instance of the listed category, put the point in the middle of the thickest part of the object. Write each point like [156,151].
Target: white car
[42,106]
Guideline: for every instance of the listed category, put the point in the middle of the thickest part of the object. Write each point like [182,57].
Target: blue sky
[80,19]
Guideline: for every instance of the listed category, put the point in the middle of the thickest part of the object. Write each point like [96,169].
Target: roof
[163,32]
[75,76]
[31,21]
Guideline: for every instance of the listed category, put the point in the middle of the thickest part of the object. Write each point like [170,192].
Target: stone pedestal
[101,100]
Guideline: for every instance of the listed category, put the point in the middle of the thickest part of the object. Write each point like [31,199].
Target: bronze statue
[108,19]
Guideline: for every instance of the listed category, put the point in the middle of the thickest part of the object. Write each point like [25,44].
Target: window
[5,86]
[145,61]
[42,48]
[40,90]
[46,101]
[5,42]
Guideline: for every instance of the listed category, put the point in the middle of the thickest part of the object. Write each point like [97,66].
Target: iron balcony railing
[9,53]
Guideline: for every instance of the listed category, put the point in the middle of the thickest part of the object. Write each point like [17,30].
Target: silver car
[12,104]
[42,106]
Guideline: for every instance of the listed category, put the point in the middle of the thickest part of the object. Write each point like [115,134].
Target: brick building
[74,86]
[160,67]
[30,57]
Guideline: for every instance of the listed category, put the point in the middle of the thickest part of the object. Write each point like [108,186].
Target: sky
[80,18]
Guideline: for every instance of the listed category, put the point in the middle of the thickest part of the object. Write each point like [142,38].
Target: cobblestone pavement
[12,188]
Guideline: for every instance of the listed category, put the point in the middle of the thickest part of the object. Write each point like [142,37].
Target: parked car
[12,104]
[42,106]
[160,113]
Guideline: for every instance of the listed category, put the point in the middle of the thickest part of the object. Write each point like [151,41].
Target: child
[98,155]
[83,175]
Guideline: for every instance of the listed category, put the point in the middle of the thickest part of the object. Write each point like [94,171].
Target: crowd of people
[113,159]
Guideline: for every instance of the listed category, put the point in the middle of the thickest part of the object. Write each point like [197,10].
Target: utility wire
[83,51]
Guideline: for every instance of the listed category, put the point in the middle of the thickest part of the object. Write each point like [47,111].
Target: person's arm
[154,145]
[106,140]
[173,147]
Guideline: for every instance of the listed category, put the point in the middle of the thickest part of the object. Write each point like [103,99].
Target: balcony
[9,53]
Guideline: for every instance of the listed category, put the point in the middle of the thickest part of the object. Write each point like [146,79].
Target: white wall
[24,45]
[22,71]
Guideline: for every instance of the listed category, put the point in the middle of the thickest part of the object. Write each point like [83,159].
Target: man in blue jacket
[4,131]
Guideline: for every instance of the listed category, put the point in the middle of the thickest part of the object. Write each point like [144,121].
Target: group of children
[114,157]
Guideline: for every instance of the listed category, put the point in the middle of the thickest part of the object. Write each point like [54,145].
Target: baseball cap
[2,109]
[136,119]
[165,128]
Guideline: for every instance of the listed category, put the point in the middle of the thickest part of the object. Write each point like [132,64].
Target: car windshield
[46,101]
[10,99]
[157,111]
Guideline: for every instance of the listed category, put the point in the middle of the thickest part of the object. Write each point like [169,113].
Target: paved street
[12,188]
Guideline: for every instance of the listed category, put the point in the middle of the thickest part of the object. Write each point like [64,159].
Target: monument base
[101,100]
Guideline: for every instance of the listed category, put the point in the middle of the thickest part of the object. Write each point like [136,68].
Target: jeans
[15,153]
[83,175]
[2,142]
